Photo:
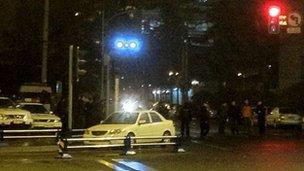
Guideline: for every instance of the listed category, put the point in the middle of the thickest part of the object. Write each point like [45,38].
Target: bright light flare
[274,11]
[129,106]
[133,45]
[120,44]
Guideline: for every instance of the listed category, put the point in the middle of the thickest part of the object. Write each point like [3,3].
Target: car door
[157,125]
[144,125]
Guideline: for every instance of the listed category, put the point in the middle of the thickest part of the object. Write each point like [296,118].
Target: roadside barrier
[64,144]
[37,133]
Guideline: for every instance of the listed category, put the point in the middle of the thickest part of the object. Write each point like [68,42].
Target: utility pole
[45,42]
[70,99]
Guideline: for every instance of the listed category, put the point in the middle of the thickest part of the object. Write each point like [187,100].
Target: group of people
[235,116]
[193,110]
[229,115]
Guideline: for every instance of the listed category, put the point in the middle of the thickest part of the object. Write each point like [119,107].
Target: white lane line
[111,165]
[134,165]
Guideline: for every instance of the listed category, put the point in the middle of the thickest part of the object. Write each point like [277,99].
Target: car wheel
[167,133]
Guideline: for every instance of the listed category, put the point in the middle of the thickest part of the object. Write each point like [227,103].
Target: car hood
[106,127]
[44,116]
[13,111]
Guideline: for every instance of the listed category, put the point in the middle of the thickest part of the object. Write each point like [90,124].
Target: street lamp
[195,82]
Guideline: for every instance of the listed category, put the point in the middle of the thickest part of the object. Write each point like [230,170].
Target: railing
[64,143]
[66,140]
[32,133]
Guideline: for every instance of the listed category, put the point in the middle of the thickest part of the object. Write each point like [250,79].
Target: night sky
[236,40]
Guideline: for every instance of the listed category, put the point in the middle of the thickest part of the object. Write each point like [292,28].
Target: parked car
[284,116]
[42,118]
[137,123]
[11,116]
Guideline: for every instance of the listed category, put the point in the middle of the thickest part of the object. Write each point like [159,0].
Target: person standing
[234,118]
[261,111]
[62,111]
[185,118]
[203,117]
[222,117]
[247,115]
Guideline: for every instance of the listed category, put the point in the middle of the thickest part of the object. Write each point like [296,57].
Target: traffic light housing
[274,19]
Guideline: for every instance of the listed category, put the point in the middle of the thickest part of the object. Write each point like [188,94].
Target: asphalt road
[277,150]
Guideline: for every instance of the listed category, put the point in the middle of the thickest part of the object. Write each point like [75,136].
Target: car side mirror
[142,122]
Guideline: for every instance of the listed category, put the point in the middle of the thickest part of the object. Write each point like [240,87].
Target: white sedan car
[12,116]
[137,123]
[42,118]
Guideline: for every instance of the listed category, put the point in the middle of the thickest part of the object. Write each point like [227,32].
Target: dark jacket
[185,112]
[233,112]
[261,111]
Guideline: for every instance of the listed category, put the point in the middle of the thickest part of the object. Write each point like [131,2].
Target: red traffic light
[274,11]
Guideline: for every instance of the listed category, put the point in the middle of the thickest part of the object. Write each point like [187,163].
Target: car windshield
[121,118]
[6,103]
[288,110]
[35,109]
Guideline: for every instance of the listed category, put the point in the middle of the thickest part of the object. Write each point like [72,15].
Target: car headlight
[56,120]
[27,116]
[115,131]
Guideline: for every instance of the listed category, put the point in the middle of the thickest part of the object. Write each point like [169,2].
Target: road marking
[111,165]
[134,165]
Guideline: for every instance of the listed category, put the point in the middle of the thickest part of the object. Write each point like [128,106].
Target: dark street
[279,149]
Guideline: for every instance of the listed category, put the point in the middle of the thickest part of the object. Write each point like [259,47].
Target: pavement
[279,149]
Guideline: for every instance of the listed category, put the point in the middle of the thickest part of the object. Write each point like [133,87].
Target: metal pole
[108,85]
[116,93]
[102,92]
[45,42]
[185,74]
[70,102]
[105,92]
